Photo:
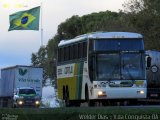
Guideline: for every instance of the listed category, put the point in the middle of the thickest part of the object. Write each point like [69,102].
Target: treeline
[140,16]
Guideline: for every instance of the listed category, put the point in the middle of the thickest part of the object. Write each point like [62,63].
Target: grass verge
[83,113]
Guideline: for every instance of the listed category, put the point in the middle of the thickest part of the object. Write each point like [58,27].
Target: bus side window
[80,48]
[79,51]
[76,50]
[70,53]
[59,55]
[67,53]
[85,49]
[82,56]
[62,54]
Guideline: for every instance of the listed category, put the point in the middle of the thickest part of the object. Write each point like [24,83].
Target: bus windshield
[127,66]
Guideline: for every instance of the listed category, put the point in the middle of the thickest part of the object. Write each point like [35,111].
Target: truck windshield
[27,91]
[127,66]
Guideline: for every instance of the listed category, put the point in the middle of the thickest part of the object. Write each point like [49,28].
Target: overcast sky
[16,47]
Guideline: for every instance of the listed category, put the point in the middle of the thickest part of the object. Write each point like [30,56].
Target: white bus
[104,67]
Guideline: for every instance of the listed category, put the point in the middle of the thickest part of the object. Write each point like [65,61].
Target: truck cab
[26,96]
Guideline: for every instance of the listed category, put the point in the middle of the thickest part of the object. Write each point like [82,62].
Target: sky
[17,46]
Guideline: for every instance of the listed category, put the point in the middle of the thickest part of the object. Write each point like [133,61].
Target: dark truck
[153,77]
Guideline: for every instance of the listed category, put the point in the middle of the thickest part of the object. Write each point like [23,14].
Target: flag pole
[41,26]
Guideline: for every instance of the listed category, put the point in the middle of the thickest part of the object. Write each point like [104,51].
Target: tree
[144,15]
[39,60]
[34,59]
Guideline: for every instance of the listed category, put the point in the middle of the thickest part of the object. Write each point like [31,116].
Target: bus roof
[99,35]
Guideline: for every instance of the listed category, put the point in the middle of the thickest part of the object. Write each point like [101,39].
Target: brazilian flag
[25,20]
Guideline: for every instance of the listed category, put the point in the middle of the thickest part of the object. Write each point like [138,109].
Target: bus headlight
[140,92]
[20,102]
[100,93]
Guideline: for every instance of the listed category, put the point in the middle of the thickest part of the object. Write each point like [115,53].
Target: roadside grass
[85,113]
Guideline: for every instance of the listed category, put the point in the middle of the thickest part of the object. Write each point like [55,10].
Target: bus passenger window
[67,53]
[85,49]
[62,54]
[79,51]
[59,55]
[72,52]
[76,51]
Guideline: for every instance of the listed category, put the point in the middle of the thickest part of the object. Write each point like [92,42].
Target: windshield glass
[27,91]
[108,66]
[132,66]
[127,66]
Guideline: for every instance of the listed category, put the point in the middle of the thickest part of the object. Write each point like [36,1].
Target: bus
[102,67]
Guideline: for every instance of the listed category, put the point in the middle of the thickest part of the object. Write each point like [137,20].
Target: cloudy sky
[16,47]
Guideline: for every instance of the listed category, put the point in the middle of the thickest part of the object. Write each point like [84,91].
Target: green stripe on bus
[79,80]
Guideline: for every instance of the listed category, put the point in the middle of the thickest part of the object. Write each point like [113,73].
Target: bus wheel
[89,102]
[66,98]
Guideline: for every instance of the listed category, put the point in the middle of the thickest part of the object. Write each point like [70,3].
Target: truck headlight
[37,102]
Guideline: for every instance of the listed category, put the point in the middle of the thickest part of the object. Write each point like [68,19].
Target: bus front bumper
[119,93]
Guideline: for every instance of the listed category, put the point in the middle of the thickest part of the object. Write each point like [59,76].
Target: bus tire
[64,93]
[66,98]
[89,102]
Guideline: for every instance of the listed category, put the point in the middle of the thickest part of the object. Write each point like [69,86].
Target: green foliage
[39,59]
[34,59]
[140,16]
[70,28]
[144,15]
